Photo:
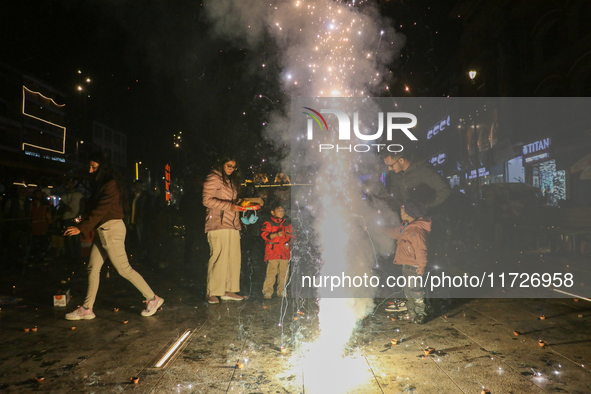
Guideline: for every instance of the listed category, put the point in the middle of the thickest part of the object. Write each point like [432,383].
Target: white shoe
[152,306]
[81,314]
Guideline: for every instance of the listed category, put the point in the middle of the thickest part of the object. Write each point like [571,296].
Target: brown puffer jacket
[411,248]
[218,198]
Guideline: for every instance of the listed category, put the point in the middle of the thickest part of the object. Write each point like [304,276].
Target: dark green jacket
[419,182]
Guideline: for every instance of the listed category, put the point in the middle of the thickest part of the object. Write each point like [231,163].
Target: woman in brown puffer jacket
[222,225]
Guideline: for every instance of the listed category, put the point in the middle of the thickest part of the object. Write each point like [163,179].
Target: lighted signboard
[167,182]
[438,159]
[36,154]
[481,172]
[537,151]
[536,146]
[533,159]
[439,126]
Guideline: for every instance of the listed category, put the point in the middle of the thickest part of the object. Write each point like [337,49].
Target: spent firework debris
[429,350]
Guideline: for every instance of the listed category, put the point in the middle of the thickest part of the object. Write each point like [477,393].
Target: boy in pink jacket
[411,254]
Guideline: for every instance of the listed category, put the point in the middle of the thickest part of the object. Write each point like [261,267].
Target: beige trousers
[223,273]
[109,243]
[275,268]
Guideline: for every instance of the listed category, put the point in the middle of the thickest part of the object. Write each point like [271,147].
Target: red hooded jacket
[278,247]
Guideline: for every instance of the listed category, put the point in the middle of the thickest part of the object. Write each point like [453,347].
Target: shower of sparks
[326,49]
[330,54]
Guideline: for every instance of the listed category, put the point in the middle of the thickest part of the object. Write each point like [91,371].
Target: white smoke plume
[325,49]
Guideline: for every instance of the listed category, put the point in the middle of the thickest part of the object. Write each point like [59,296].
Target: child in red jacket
[277,235]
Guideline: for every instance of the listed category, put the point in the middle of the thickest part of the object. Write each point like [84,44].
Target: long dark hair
[104,174]
[232,180]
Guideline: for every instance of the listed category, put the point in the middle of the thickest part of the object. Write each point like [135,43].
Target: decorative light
[25,90]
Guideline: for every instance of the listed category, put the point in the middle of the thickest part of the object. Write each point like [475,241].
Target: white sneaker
[152,306]
[81,314]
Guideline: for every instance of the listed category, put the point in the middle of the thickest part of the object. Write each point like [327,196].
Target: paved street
[473,339]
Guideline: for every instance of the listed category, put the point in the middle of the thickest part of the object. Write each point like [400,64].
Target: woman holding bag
[222,225]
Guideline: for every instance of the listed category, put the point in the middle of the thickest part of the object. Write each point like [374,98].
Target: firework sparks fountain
[326,49]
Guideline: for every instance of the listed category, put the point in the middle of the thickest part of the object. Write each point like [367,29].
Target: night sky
[156,69]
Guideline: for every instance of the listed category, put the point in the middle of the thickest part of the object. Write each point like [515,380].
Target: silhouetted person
[72,205]
[193,215]
[139,217]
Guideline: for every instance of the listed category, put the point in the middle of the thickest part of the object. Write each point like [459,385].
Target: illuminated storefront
[540,170]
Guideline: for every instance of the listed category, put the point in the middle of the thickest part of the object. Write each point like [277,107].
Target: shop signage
[439,126]
[167,182]
[482,172]
[537,151]
[438,159]
[536,158]
[536,146]
[48,157]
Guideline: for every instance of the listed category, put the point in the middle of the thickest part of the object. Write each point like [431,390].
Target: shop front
[539,169]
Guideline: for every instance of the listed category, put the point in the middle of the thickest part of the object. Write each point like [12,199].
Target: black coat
[419,182]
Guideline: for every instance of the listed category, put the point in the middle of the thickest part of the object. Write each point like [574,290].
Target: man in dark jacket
[415,180]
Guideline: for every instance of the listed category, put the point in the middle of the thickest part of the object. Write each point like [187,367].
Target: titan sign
[345,130]
[536,146]
[537,151]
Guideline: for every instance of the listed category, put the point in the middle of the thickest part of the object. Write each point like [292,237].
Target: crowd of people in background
[126,220]
[32,223]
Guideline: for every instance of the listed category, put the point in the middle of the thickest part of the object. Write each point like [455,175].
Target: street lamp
[472,75]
